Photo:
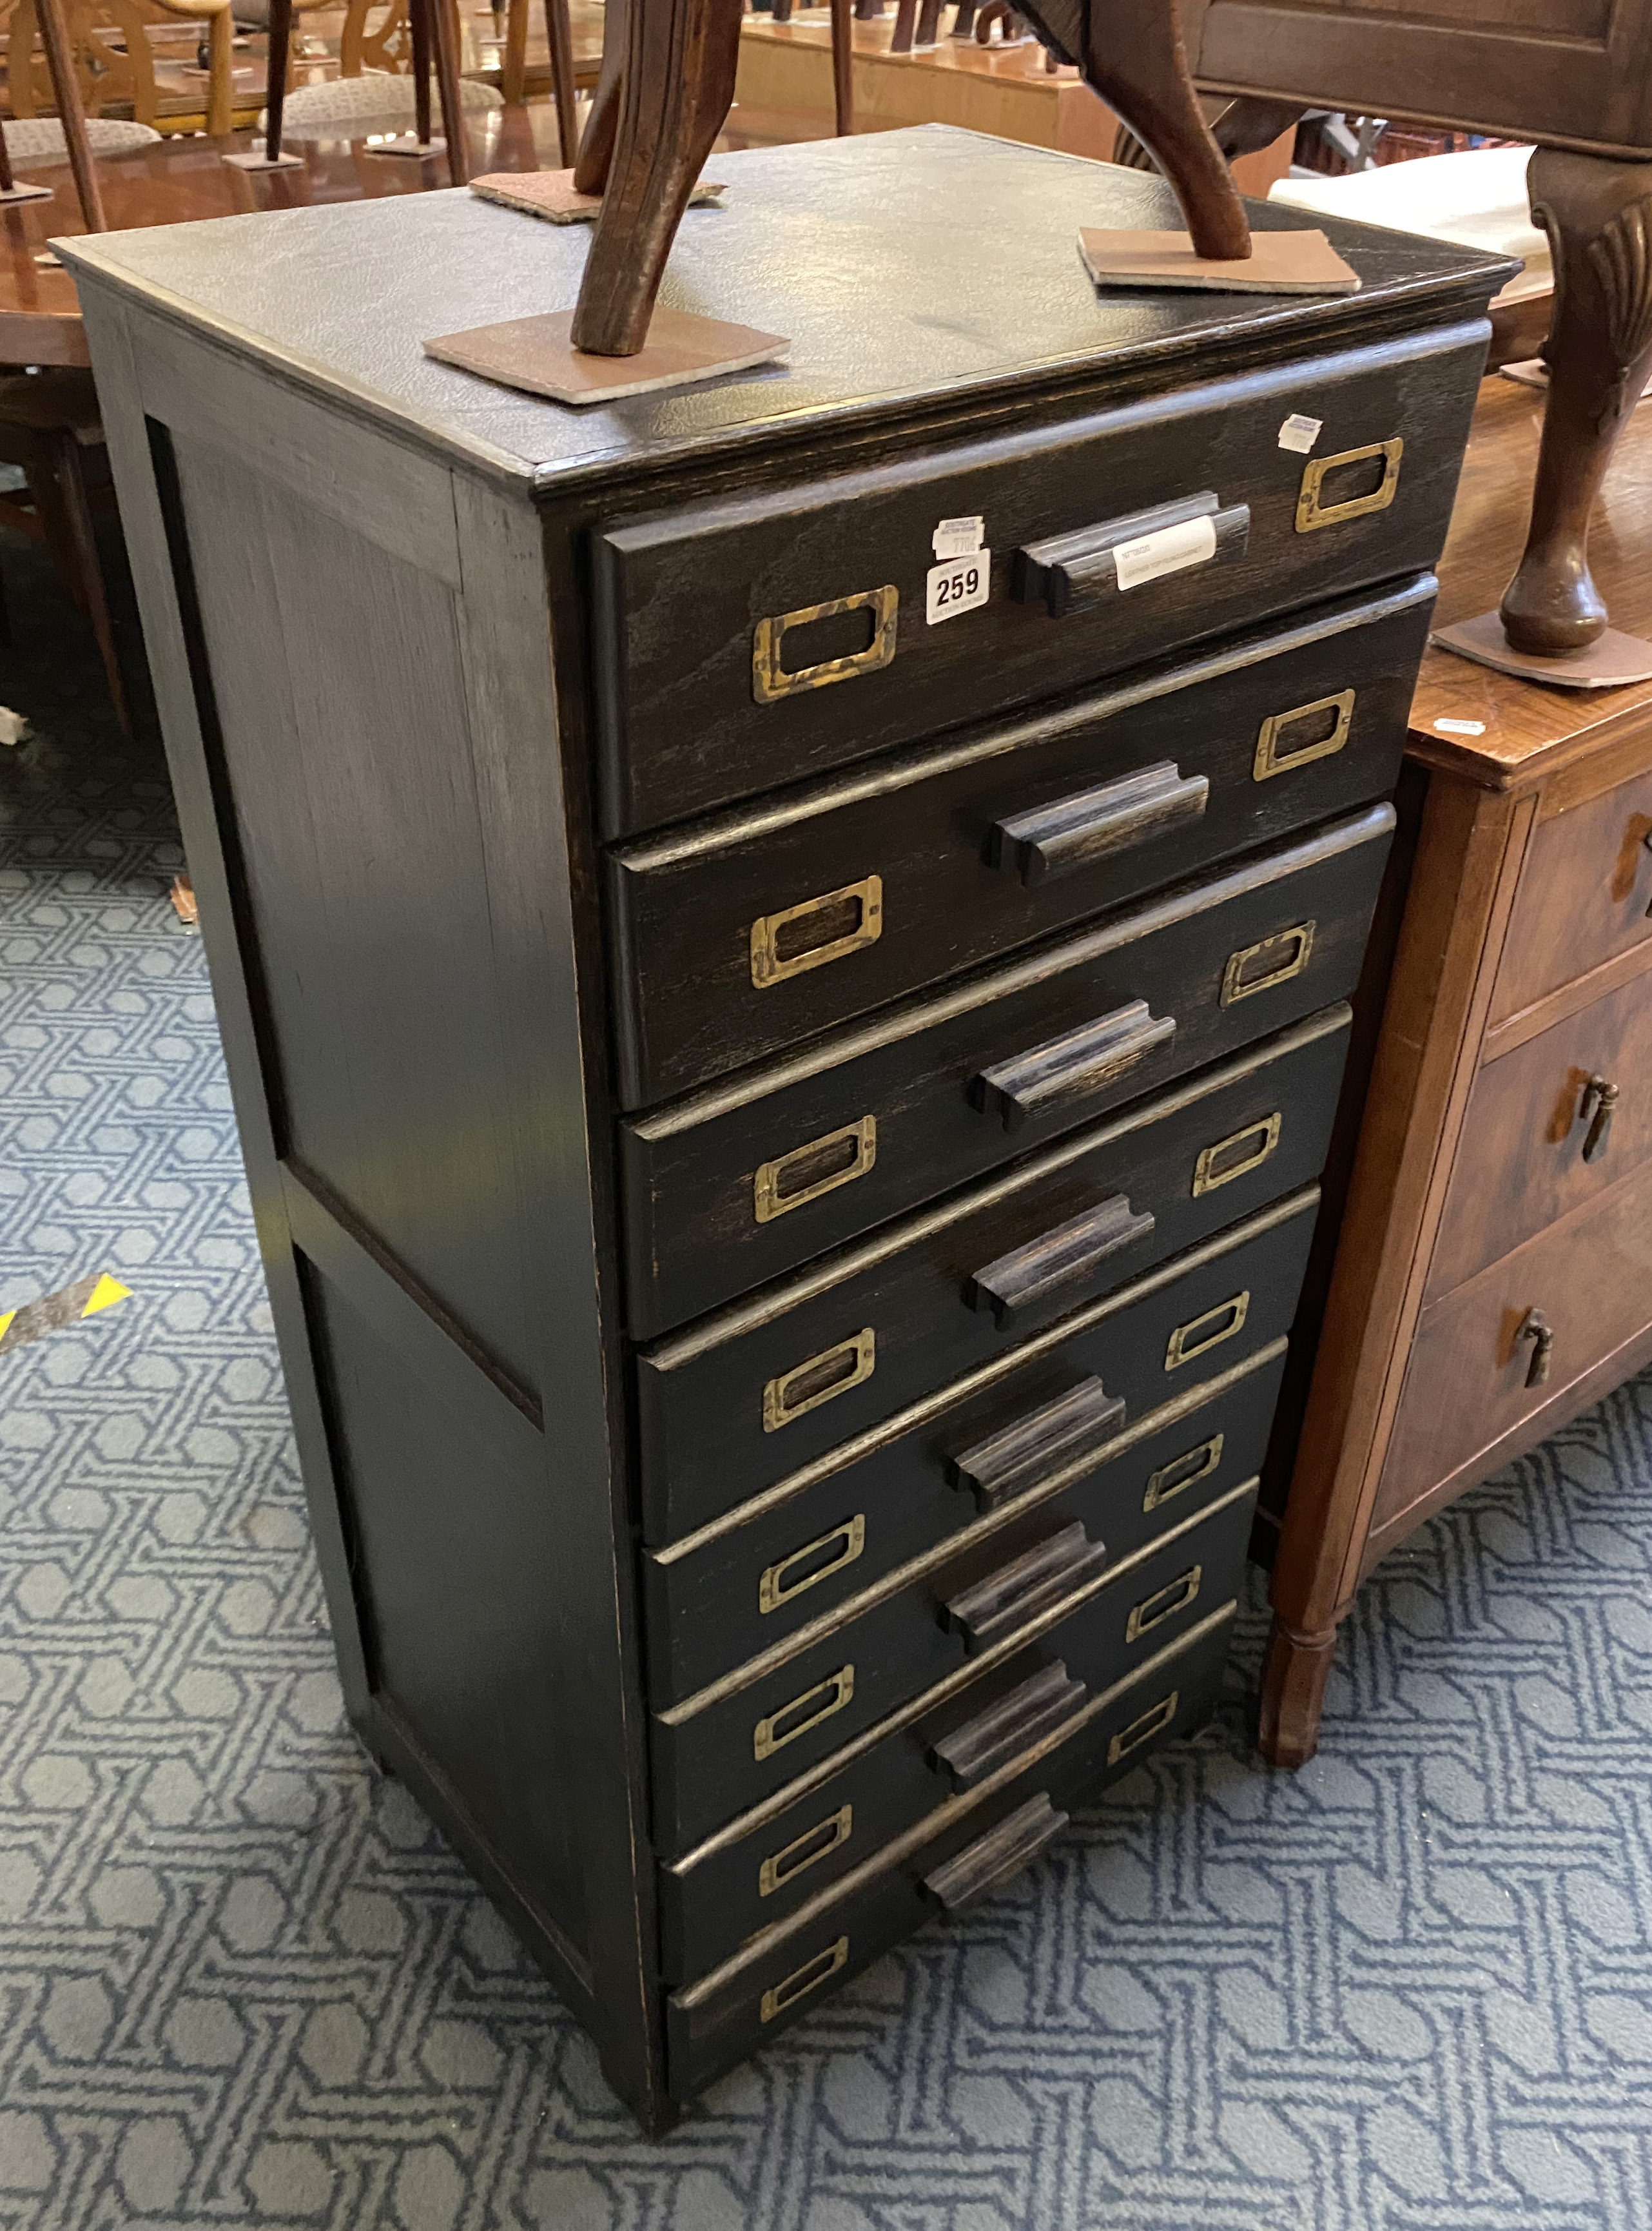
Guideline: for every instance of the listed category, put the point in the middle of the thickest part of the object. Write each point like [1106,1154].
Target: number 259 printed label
[957,584]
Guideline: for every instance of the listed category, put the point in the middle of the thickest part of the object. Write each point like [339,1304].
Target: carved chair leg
[560,37]
[66,90]
[1598,217]
[680,59]
[596,152]
[843,67]
[1292,1693]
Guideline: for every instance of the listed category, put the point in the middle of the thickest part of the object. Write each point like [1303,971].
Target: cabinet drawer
[771,637]
[742,936]
[1081,1400]
[1475,1362]
[1585,888]
[730,1747]
[718,1923]
[736,1186]
[1555,1121]
[762,1391]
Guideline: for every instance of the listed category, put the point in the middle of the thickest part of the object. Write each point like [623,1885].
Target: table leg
[1597,213]
[560,37]
[453,115]
[65,88]
[1293,1676]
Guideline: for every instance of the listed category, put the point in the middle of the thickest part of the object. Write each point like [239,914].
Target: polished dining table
[185,178]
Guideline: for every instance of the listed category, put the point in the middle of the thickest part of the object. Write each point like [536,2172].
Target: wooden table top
[1531,728]
[180,179]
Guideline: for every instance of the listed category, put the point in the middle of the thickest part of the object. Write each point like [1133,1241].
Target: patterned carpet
[241,1981]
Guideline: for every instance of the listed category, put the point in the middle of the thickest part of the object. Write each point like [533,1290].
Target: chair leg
[906,22]
[65,88]
[80,541]
[446,25]
[591,166]
[281,40]
[513,70]
[559,38]
[418,32]
[680,61]
[220,116]
[843,67]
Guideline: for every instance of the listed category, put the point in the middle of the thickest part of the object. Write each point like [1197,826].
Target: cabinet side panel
[338,686]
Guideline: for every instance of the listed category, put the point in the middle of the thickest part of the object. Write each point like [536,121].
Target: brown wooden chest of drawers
[785,1122]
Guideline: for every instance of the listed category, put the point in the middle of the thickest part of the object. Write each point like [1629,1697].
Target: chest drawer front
[728,1750]
[700,614]
[901,1792]
[1083,1404]
[764,1390]
[871,1124]
[1559,1119]
[1493,1354]
[748,935]
[1586,889]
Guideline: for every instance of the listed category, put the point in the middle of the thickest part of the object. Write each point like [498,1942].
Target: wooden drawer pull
[819,1378]
[1055,840]
[1047,1440]
[815,931]
[1536,1328]
[785,1864]
[1289,740]
[995,1858]
[1201,1333]
[1025,1587]
[791,1574]
[1142,1729]
[774,1732]
[1065,1256]
[1010,1725]
[820,1167]
[1153,1610]
[770,679]
[1312,511]
[1596,1107]
[1271,961]
[1070,574]
[1049,1078]
[1238,1155]
[1182,1471]
[799,1983]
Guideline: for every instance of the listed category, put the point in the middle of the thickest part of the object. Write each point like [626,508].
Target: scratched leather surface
[898,263]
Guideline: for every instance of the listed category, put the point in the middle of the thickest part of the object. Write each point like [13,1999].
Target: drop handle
[1077,1426]
[1040,1578]
[1047,1079]
[1536,1328]
[1074,572]
[1067,1255]
[1051,841]
[1596,1107]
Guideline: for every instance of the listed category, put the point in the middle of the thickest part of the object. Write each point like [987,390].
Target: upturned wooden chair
[112,57]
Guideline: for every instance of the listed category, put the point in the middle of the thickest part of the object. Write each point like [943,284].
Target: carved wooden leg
[843,67]
[560,37]
[1598,217]
[1134,58]
[1292,1693]
[66,89]
[596,146]
[681,58]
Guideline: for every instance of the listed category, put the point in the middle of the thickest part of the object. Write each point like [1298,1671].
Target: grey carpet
[242,1981]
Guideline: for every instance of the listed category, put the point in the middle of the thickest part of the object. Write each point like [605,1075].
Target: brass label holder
[770,681]
[767,964]
[833,1372]
[1184,1471]
[790,1860]
[1312,513]
[1274,754]
[1208,1170]
[1176,1595]
[780,1186]
[1295,945]
[770,1734]
[773,1589]
[799,1983]
[1201,1333]
[1145,1729]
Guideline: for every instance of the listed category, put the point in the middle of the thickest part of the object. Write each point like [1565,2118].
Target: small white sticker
[1167,549]
[958,537]
[957,584]
[1298,433]
[1461,727]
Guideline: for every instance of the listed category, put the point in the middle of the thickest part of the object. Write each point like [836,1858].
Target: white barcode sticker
[1461,727]
[959,584]
[958,537]
[1298,433]
[1167,549]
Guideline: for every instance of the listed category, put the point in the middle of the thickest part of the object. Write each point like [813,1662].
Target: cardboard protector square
[1294,262]
[1610,663]
[552,194]
[535,353]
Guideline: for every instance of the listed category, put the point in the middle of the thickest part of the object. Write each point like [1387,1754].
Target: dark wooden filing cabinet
[783,1132]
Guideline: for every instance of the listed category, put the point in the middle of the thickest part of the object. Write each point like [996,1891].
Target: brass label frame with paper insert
[770,681]
[837,1687]
[1145,1729]
[1202,1333]
[784,1865]
[1170,1479]
[769,967]
[1208,1172]
[1312,513]
[833,1372]
[1235,985]
[1273,756]
[1175,1595]
[772,1588]
[770,1196]
[799,1983]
